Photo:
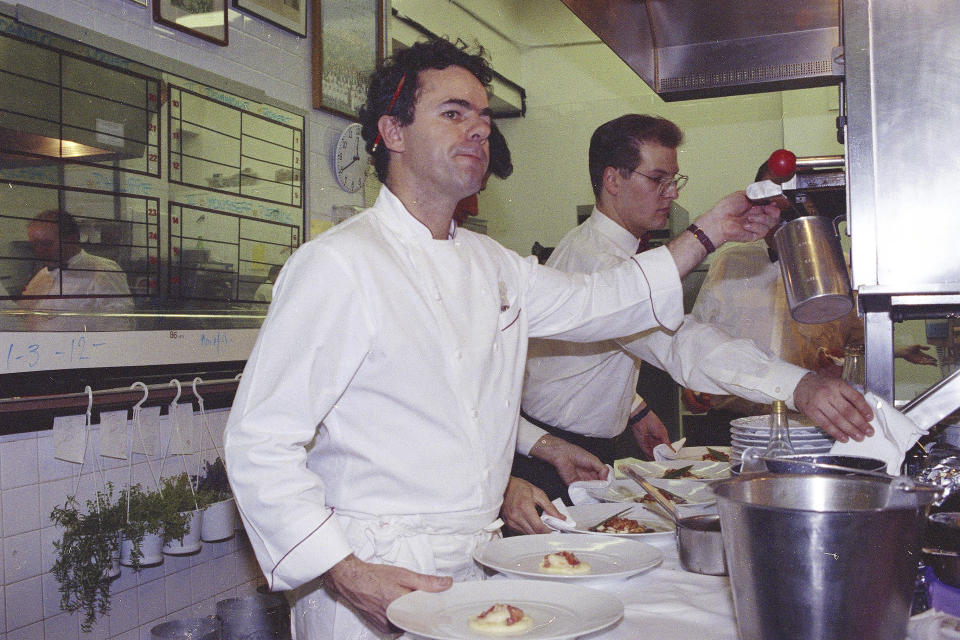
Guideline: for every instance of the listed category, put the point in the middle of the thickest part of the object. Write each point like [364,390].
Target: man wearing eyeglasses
[586,393]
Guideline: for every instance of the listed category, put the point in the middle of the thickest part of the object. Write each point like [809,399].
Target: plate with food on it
[612,519]
[674,469]
[568,557]
[717,453]
[531,609]
[683,493]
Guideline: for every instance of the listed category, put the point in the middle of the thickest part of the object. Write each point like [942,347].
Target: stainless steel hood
[688,49]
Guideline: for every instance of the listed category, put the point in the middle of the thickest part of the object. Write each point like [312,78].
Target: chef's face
[44,237]
[446,144]
[641,205]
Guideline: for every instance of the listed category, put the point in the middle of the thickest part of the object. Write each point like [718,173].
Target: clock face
[351,159]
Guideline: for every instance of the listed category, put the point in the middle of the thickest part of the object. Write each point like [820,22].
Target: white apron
[435,545]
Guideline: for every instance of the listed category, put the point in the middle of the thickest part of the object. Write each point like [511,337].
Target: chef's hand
[649,432]
[694,401]
[835,406]
[736,219]
[915,354]
[572,463]
[520,504]
[371,587]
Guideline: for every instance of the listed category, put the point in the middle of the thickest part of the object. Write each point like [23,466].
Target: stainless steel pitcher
[814,272]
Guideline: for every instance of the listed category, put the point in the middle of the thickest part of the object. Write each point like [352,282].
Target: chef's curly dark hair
[618,144]
[407,64]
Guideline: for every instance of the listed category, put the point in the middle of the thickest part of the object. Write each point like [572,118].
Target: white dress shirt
[85,274]
[588,388]
[385,382]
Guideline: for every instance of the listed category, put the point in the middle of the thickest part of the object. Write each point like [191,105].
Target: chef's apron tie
[440,544]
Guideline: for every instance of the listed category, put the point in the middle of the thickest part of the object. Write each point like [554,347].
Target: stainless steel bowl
[795,463]
[700,545]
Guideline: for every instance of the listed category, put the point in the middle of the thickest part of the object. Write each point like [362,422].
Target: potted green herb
[220,516]
[150,524]
[180,497]
[87,553]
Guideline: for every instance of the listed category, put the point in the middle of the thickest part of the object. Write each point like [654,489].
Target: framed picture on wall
[348,42]
[286,14]
[206,19]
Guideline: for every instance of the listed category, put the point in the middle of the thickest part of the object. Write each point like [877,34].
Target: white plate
[702,469]
[589,515]
[608,557]
[626,490]
[763,422]
[559,610]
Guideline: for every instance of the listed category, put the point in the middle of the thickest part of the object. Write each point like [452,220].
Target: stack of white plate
[754,431]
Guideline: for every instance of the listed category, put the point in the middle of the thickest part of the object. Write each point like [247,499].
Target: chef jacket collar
[401,221]
[616,234]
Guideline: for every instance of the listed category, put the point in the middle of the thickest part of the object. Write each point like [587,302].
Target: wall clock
[351,159]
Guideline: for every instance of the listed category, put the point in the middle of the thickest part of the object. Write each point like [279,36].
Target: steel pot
[814,272]
[945,564]
[700,545]
[831,557]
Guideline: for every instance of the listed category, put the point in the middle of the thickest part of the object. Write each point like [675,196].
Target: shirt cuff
[527,435]
[324,547]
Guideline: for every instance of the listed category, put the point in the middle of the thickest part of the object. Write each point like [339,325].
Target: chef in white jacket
[372,434]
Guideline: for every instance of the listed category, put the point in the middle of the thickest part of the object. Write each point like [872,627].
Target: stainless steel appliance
[896,62]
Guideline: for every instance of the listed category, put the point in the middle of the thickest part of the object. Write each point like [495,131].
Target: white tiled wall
[32,482]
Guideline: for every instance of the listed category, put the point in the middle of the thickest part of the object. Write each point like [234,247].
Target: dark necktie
[644,242]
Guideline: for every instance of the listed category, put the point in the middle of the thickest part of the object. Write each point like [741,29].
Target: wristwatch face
[351,159]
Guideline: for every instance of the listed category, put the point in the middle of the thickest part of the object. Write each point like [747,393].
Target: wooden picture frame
[205,19]
[348,43]
[290,15]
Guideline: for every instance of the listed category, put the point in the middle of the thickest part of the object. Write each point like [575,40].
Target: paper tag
[183,431]
[69,438]
[113,434]
[145,439]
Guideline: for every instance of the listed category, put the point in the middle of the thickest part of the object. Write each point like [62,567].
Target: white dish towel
[894,434]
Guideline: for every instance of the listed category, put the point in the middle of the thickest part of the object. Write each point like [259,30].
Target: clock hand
[347,166]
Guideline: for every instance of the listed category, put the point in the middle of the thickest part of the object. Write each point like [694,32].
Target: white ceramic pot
[219,521]
[190,543]
[151,548]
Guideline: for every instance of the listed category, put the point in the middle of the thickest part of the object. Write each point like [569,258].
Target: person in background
[500,166]
[72,280]
[370,440]
[586,393]
[264,292]
[744,295]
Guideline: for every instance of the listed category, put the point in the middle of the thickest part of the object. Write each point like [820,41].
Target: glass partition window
[108,222]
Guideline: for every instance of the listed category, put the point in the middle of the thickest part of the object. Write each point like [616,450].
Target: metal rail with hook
[117,397]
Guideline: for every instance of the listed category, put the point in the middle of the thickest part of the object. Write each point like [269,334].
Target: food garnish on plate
[621,525]
[716,456]
[563,563]
[682,472]
[501,620]
[671,496]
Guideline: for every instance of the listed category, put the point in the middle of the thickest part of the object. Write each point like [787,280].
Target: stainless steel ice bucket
[821,557]
[814,272]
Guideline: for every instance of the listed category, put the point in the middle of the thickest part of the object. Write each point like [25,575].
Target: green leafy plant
[180,495]
[151,512]
[85,553]
[213,482]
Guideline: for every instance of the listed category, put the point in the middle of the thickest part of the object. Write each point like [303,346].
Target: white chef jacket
[588,388]
[744,295]
[385,382]
[84,275]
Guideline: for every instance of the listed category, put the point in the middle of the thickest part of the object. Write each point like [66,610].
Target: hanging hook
[146,392]
[195,392]
[89,399]
[176,397]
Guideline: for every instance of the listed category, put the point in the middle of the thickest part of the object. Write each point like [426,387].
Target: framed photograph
[348,42]
[286,14]
[206,19]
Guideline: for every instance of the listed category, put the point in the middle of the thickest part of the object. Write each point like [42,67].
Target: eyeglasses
[663,183]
